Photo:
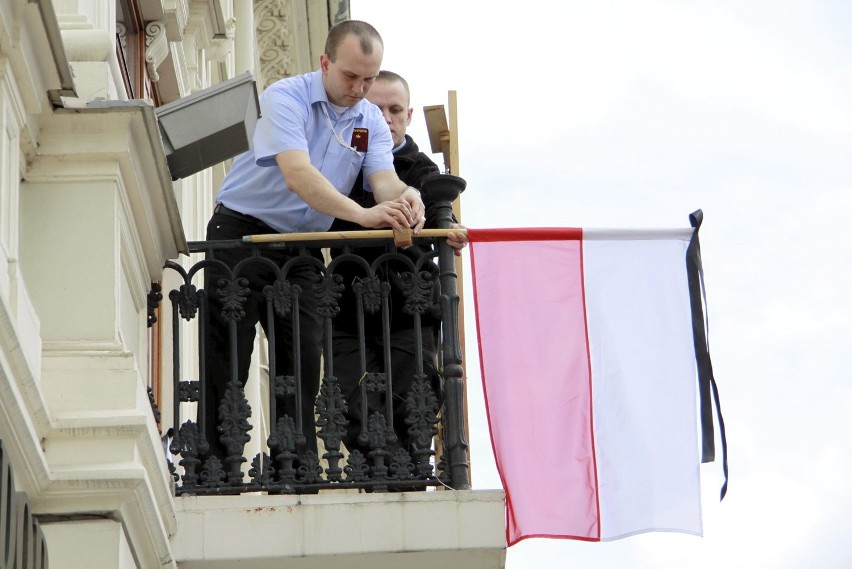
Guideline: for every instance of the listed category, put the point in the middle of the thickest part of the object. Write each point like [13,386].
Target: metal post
[444,189]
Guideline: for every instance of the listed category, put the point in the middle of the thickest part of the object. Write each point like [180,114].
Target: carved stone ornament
[156,48]
[274,39]
[121,32]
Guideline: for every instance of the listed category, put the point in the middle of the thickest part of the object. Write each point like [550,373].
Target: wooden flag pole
[339,235]
[454,169]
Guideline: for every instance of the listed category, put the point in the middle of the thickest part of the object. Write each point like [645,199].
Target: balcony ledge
[77,141]
[407,529]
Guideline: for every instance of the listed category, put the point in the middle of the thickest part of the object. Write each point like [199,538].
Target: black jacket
[412,167]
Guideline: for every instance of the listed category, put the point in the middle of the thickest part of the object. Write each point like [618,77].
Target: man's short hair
[390,77]
[365,33]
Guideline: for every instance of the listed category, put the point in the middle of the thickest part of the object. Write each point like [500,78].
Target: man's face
[391,98]
[350,76]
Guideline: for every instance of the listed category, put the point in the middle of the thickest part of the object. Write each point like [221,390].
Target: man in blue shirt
[315,134]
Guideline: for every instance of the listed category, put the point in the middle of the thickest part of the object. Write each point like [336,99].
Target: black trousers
[259,273]
[403,360]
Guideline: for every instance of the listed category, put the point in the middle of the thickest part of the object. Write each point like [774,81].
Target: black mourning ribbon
[708,392]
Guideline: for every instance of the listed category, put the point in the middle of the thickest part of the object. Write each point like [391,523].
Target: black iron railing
[387,404]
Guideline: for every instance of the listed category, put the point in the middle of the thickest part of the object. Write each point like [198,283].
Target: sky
[635,114]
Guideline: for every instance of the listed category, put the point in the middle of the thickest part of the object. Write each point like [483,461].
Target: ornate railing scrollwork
[378,431]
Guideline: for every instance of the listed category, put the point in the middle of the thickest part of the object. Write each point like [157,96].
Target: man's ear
[324,62]
[408,118]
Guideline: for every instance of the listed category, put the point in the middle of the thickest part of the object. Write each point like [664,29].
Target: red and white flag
[589,372]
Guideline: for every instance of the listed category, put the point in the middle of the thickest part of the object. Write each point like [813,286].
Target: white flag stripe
[644,385]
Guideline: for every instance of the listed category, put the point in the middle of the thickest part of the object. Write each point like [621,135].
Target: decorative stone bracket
[156,48]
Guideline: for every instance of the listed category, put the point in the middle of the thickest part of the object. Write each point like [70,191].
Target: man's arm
[308,183]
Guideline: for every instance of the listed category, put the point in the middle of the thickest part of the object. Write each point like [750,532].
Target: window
[130,50]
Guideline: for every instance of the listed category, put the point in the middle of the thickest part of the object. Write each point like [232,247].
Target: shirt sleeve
[282,124]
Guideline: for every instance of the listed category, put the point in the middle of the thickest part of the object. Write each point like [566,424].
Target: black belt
[221,209]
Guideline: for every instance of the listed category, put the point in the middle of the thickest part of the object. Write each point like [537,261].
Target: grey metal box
[209,126]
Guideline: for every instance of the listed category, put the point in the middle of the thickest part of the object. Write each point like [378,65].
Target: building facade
[89,215]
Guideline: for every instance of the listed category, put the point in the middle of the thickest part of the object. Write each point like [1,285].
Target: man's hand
[387,187]
[412,197]
[396,214]
[457,240]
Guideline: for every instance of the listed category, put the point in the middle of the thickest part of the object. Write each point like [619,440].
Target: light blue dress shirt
[292,118]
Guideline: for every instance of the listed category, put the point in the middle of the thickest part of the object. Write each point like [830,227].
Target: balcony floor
[370,531]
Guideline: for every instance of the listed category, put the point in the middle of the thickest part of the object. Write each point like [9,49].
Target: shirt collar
[401,145]
[319,96]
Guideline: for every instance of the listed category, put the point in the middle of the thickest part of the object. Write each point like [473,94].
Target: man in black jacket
[391,94]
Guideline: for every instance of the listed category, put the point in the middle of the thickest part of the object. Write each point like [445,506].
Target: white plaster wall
[70,260]
[89,544]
